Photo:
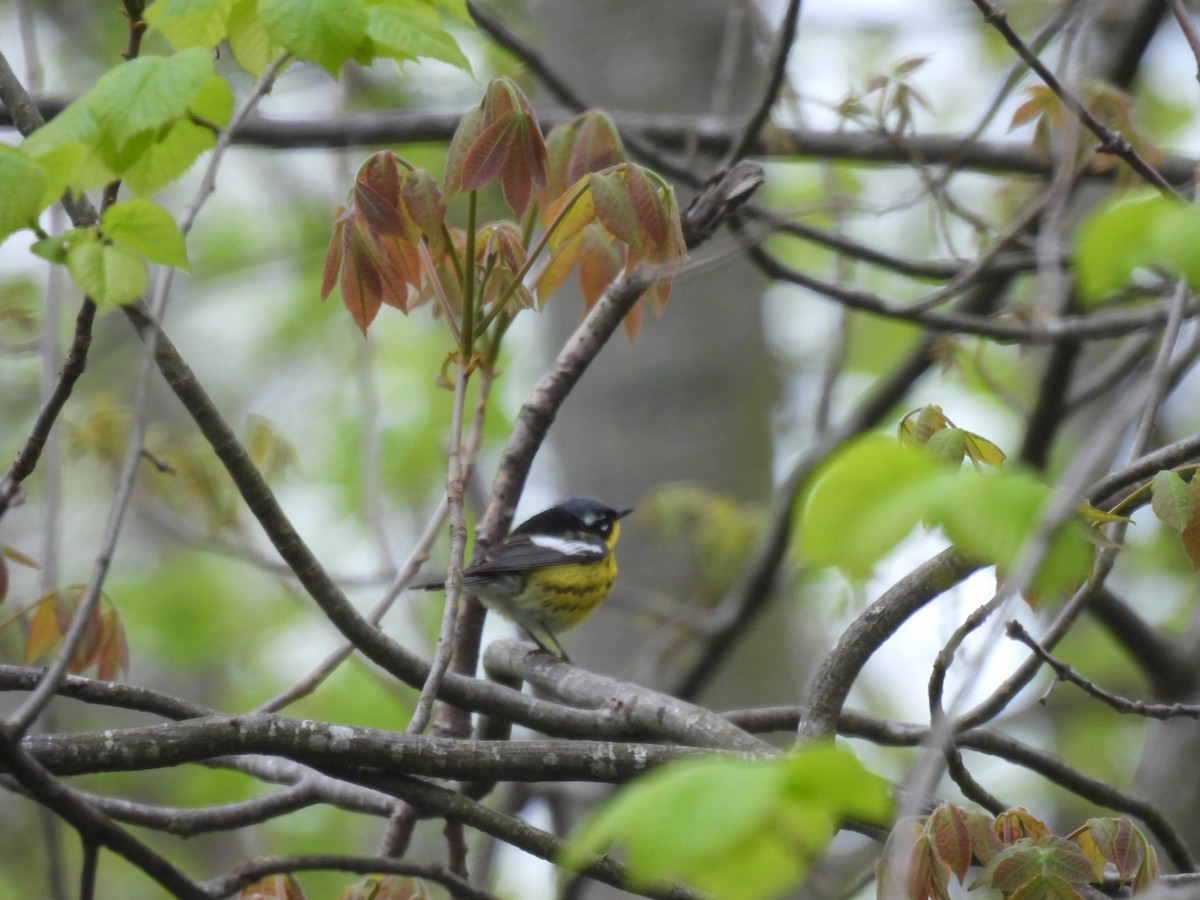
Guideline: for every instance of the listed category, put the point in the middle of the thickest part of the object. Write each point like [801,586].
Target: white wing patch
[568,547]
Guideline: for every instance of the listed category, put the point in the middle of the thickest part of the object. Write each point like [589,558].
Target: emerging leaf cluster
[872,493]
[146,121]
[143,123]
[1019,856]
[1054,124]
[889,100]
[734,828]
[47,619]
[932,429]
[393,243]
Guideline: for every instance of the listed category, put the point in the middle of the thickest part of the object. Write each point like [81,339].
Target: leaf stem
[519,278]
[467,337]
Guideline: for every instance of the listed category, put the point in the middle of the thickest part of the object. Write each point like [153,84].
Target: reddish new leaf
[597,146]
[1116,841]
[600,264]
[423,205]
[633,320]
[377,195]
[525,169]
[501,99]
[985,844]
[360,282]
[1014,824]
[614,208]
[501,241]
[657,295]
[44,631]
[398,265]
[111,655]
[648,206]
[948,836]
[485,157]
[334,254]
[506,143]
[557,267]
[905,868]
[465,136]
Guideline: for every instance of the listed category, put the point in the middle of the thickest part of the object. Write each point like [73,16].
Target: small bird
[552,570]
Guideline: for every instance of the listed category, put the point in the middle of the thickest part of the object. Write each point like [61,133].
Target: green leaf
[23,187]
[109,274]
[54,249]
[948,445]
[1111,243]
[735,828]
[59,164]
[325,32]
[249,41]
[981,450]
[404,34]
[1172,500]
[183,141]
[1133,232]
[990,515]
[147,93]
[69,146]
[827,774]
[190,23]
[865,500]
[136,123]
[145,228]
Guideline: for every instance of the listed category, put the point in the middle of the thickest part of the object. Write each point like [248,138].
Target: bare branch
[869,631]
[752,130]
[1124,705]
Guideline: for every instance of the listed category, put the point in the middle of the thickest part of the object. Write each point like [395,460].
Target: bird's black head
[579,514]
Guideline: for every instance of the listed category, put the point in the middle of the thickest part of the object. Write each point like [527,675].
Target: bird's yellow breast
[563,596]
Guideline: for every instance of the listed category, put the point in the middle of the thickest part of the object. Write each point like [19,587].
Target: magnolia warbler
[552,571]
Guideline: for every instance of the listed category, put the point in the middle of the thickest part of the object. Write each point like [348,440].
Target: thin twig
[1044,331]
[1111,142]
[778,74]
[456,480]
[941,734]
[1124,705]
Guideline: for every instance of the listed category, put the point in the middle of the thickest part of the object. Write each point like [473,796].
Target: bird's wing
[537,551]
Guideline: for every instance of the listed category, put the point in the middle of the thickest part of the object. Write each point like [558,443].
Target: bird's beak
[623,513]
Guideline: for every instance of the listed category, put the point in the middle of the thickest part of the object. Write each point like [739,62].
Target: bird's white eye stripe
[568,547]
